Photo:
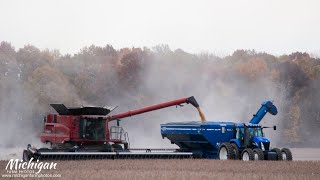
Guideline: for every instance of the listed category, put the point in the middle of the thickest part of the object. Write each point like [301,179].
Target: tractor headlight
[262,147]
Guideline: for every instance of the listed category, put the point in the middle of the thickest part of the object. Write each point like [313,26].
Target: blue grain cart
[226,140]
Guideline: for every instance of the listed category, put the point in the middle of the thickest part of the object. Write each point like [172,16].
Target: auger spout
[266,106]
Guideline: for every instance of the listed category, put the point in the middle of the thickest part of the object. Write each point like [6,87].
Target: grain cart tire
[226,151]
[26,156]
[236,151]
[286,154]
[278,152]
[258,154]
[247,155]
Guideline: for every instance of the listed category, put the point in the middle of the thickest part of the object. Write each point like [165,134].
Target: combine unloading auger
[84,133]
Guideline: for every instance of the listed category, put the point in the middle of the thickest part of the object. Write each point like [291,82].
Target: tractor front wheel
[278,152]
[286,154]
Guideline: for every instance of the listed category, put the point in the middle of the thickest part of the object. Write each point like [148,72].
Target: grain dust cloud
[228,88]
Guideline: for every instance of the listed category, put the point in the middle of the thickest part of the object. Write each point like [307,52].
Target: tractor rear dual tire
[258,154]
[226,152]
[247,155]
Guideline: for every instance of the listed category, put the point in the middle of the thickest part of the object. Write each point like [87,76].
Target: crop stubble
[184,169]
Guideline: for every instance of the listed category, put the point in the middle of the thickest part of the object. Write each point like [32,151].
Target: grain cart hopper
[81,133]
[226,140]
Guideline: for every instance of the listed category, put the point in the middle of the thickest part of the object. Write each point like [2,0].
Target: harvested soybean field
[184,169]
[306,165]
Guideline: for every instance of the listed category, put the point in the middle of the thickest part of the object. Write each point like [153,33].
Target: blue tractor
[226,140]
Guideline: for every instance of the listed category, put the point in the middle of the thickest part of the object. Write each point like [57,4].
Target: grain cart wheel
[286,154]
[236,151]
[258,154]
[226,151]
[26,155]
[247,155]
[279,153]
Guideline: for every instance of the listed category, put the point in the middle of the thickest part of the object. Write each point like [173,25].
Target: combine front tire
[26,156]
[286,154]
[258,154]
[226,151]
[247,155]
[278,152]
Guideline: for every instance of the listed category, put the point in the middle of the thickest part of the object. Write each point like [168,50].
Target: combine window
[92,129]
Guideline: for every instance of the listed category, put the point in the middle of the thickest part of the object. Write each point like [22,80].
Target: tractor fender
[236,141]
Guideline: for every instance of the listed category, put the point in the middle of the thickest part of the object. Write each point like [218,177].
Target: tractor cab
[250,136]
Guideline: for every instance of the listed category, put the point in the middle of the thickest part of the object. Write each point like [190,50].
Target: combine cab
[85,128]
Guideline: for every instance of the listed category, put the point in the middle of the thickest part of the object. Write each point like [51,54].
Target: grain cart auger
[84,133]
[226,140]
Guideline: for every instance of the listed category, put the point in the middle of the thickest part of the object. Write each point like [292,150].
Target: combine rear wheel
[286,154]
[247,155]
[258,154]
[278,152]
[226,151]
[117,147]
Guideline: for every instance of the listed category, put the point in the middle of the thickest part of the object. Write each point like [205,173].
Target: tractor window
[255,132]
[240,133]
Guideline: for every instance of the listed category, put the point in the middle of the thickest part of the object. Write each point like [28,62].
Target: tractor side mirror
[274,127]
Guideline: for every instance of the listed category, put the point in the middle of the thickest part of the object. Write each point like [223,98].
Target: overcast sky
[274,26]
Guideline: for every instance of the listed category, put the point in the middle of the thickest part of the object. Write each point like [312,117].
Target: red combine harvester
[85,133]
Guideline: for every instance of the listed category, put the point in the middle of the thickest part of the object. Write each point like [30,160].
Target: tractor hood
[259,140]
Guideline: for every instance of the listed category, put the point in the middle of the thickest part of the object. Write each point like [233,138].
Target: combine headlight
[262,147]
